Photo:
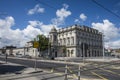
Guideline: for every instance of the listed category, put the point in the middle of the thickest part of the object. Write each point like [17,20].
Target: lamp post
[48,47]
[103,45]
[83,53]
[0,46]
[0,41]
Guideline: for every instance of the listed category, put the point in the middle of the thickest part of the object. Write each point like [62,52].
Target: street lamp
[48,46]
[103,45]
[0,45]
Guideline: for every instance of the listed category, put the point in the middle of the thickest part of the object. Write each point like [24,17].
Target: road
[97,70]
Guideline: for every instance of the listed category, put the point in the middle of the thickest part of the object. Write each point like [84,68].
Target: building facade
[26,50]
[76,41]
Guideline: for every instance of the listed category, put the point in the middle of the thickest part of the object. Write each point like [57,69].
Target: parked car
[27,56]
[19,55]
[11,55]
[2,54]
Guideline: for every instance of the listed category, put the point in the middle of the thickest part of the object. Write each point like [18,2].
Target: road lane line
[95,64]
[75,76]
[85,68]
[110,71]
[98,75]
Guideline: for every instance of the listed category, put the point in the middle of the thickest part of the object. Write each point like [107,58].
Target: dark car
[27,56]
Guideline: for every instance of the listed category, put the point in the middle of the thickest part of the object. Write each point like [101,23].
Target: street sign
[35,44]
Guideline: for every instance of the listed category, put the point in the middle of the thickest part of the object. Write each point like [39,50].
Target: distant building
[115,52]
[75,41]
[26,50]
[7,49]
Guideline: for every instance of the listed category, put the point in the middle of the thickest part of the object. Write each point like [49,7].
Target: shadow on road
[10,68]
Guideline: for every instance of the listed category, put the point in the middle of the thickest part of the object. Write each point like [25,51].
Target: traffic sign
[35,44]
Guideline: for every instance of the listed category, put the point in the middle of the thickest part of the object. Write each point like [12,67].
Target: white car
[19,55]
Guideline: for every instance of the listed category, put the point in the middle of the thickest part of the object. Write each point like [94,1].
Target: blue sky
[83,12]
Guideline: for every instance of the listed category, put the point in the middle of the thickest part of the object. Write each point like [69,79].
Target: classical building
[75,41]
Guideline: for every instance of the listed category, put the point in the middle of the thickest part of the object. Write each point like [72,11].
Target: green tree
[43,43]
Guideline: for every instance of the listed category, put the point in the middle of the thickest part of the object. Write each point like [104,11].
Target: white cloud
[77,21]
[36,9]
[30,32]
[7,23]
[110,31]
[9,36]
[35,23]
[19,37]
[61,14]
[83,16]
[114,44]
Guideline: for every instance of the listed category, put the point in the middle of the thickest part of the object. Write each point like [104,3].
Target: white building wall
[81,35]
[18,51]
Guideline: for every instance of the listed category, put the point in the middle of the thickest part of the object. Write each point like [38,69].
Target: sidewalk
[101,59]
[77,60]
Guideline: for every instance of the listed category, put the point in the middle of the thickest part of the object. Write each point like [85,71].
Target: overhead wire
[54,8]
[41,2]
[94,1]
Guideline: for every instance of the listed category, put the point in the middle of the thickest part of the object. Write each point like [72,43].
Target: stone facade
[77,41]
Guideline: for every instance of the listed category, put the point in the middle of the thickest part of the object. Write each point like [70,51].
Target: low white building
[27,50]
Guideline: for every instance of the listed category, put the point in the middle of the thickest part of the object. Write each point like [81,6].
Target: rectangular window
[64,41]
[68,43]
[61,41]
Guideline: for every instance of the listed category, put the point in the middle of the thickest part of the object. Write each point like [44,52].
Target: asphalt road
[97,70]
[40,64]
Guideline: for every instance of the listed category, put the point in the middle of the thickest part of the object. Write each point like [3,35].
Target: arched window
[68,53]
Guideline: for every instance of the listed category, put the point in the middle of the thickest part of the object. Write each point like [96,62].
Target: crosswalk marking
[115,67]
[110,71]
[85,68]
[75,76]
[98,75]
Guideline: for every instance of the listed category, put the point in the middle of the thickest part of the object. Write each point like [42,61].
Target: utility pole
[5,54]
[35,45]
[35,59]
[0,42]
[48,47]
[39,45]
[103,45]
[83,53]
[79,72]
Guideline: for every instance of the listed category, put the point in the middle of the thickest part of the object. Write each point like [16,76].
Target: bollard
[52,70]
[66,73]
[79,73]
